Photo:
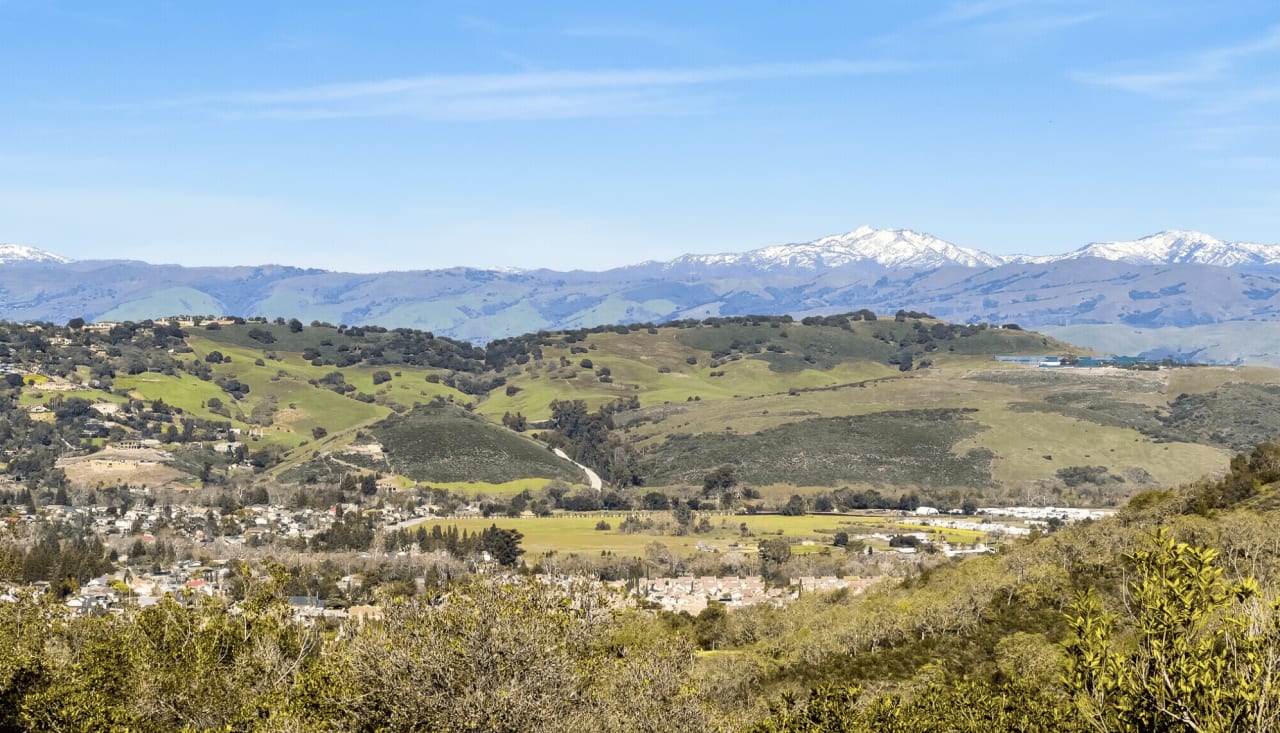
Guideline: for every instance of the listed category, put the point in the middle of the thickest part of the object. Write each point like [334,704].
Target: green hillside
[445,444]
[899,404]
[898,448]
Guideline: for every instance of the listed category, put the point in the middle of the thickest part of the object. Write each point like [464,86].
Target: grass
[1018,438]
[1199,380]
[1238,416]
[568,534]
[1078,418]
[181,390]
[751,414]
[299,406]
[796,347]
[635,360]
[822,425]
[898,448]
[1093,380]
[485,488]
[302,406]
[1099,408]
[449,446]
[1032,447]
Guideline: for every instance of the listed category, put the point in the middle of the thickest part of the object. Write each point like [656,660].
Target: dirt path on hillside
[593,478]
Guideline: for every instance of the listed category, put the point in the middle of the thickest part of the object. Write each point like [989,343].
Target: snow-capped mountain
[1173,279]
[892,248]
[898,249]
[13,253]
[1176,247]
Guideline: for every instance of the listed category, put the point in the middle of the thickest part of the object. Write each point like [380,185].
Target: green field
[635,361]
[484,488]
[578,534]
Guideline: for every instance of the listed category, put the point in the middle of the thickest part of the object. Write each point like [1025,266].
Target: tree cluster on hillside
[589,438]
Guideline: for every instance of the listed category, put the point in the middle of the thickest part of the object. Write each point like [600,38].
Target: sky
[584,135]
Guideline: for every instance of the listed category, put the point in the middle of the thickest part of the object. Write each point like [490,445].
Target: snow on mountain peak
[894,248]
[13,253]
[1179,246]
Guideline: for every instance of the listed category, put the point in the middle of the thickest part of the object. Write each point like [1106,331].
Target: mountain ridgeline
[1173,279]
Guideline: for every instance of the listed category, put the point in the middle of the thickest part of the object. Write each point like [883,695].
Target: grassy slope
[634,360]
[901,448]
[1022,414]
[755,395]
[301,405]
[447,445]
[1019,440]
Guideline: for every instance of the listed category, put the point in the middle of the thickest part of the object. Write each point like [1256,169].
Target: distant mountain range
[906,249]
[892,248]
[1170,279]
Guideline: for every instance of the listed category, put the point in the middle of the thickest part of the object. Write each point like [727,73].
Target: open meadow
[728,533]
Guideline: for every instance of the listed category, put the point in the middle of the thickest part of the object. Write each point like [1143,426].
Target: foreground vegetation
[1162,618]
[1159,619]
[500,656]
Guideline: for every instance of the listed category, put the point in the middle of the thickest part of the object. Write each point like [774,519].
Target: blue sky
[389,135]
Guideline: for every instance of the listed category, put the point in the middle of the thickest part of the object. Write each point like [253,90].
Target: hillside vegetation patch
[1234,415]
[446,444]
[825,342]
[894,448]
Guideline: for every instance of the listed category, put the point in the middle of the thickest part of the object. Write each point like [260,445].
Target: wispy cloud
[645,33]
[1038,25]
[477,23]
[965,12]
[996,29]
[1188,75]
[1222,96]
[535,94]
[1029,17]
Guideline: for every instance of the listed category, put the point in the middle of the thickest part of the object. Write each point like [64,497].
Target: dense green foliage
[444,443]
[588,438]
[1117,625]
[1235,415]
[1113,626]
[345,346]
[501,655]
[896,448]
[824,342]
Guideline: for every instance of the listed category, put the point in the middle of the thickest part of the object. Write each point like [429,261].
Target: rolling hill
[903,405]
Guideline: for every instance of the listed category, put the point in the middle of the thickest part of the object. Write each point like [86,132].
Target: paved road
[592,477]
